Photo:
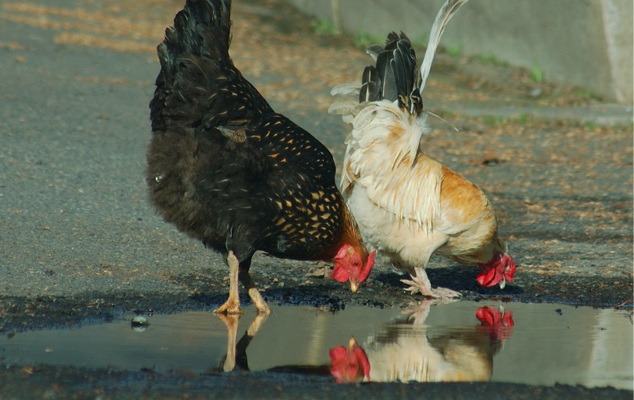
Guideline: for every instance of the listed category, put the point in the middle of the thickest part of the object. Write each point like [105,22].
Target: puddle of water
[539,344]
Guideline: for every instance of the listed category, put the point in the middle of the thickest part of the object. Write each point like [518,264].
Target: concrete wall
[588,43]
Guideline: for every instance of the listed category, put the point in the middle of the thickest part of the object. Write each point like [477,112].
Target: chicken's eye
[356,263]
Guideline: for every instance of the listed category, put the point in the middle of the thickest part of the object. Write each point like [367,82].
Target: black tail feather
[374,50]
[371,87]
[397,73]
[202,28]
[198,83]
[386,73]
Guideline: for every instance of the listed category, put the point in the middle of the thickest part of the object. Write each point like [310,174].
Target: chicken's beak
[354,285]
[502,283]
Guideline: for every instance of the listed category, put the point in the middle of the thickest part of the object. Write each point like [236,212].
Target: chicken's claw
[420,284]
[230,307]
[413,286]
[445,295]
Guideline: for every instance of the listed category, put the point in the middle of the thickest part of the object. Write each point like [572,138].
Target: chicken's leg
[231,321]
[232,305]
[254,294]
[420,283]
[236,350]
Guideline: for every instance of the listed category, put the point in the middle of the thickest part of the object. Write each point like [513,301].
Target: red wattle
[339,274]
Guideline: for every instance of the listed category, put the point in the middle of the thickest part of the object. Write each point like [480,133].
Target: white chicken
[408,205]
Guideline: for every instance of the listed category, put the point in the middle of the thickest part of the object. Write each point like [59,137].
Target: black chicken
[229,171]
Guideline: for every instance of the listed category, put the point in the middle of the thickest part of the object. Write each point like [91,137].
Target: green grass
[454,49]
[492,60]
[591,126]
[492,120]
[364,40]
[423,42]
[537,72]
[586,94]
[324,27]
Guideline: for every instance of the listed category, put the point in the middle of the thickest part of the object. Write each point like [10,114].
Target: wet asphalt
[80,244]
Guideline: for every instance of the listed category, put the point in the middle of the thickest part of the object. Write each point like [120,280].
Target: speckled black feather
[222,166]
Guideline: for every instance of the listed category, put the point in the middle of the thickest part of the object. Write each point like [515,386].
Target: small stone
[536,92]
[139,323]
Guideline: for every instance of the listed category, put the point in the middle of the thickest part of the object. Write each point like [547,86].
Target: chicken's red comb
[500,268]
[349,365]
[499,324]
[368,267]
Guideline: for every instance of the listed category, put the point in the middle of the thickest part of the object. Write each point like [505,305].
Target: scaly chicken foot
[232,305]
[420,284]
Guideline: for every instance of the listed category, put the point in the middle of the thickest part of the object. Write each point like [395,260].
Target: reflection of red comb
[351,364]
[499,324]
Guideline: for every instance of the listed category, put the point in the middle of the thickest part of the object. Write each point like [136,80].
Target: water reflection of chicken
[236,356]
[236,350]
[412,351]
[404,350]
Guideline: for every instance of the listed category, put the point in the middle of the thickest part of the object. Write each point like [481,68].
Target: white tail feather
[443,120]
[342,107]
[444,15]
[350,88]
